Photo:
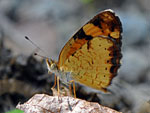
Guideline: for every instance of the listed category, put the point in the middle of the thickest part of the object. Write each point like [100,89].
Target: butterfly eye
[53,66]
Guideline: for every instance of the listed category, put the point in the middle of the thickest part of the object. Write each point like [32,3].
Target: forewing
[106,23]
[93,54]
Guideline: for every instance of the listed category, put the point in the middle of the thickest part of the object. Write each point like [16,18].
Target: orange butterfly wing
[93,54]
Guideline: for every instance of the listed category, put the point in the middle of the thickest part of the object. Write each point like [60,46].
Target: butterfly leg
[58,85]
[54,82]
[74,91]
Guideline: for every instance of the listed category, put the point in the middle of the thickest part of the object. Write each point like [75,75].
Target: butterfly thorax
[53,68]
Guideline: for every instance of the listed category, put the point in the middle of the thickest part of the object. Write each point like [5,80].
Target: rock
[42,103]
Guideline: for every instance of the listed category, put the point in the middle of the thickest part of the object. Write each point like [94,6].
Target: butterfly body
[65,77]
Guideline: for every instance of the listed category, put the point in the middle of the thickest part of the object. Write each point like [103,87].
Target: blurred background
[49,24]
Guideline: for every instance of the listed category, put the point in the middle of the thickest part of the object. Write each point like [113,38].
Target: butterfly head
[51,65]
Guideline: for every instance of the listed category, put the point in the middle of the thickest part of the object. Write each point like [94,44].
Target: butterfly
[92,55]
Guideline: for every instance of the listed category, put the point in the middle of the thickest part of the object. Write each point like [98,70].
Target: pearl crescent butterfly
[92,56]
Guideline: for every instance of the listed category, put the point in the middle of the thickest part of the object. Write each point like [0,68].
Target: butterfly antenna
[36,54]
[27,38]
